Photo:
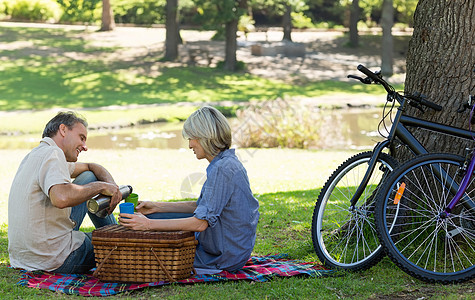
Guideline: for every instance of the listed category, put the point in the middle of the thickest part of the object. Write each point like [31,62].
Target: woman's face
[200,153]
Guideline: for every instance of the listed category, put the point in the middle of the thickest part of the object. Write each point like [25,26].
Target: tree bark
[440,64]
[287,23]
[354,18]
[172,37]
[231,45]
[387,21]
[108,23]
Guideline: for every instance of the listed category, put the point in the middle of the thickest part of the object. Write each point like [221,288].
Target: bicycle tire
[422,241]
[337,243]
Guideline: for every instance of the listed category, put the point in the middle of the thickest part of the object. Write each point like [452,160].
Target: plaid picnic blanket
[258,268]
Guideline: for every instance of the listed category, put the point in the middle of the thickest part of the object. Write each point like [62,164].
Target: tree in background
[108,23]
[282,9]
[355,15]
[223,15]
[440,65]
[172,30]
[387,21]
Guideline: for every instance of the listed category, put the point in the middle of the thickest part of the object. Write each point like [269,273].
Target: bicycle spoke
[346,237]
[424,239]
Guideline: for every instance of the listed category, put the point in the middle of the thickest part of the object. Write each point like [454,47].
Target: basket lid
[119,231]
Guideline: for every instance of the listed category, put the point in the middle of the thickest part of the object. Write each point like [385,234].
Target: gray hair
[211,128]
[68,118]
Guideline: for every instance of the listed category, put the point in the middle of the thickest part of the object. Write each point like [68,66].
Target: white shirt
[40,236]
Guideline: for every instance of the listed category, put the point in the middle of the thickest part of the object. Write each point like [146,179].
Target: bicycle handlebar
[432,105]
[375,77]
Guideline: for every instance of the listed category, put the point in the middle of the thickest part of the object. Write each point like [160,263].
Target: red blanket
[258,268]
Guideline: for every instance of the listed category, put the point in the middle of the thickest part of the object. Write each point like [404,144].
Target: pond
[341,129]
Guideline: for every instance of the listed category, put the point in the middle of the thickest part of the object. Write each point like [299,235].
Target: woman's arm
[140,222]
[149,207]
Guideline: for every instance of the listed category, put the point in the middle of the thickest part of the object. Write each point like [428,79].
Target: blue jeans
[82,259]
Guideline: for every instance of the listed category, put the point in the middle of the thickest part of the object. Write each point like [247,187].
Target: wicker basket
[125,255]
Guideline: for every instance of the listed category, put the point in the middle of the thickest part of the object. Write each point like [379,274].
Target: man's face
[74,141]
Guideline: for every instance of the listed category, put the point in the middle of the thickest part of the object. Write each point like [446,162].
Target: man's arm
[101,173]
[70,194]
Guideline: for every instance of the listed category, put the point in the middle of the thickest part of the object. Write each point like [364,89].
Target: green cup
[133,198]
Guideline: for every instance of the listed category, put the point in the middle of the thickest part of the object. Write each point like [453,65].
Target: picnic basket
[125,255]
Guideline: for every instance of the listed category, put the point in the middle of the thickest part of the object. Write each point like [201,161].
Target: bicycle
[343,226]
[425,217]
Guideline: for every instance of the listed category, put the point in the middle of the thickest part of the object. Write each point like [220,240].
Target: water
[341,129]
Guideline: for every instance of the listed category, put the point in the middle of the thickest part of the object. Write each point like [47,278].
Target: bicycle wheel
[422,240]
[345,238]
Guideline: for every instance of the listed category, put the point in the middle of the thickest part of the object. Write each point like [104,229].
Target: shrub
[81,10]
[300,20]
[277,123]
[143,12]
[31,10]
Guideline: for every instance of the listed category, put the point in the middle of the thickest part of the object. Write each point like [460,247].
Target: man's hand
[111,189]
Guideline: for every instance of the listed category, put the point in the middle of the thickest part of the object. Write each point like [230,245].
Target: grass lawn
[57,68]
[286,182]
[45,69]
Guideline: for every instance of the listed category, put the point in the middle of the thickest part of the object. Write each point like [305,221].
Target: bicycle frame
[399,130]
[463,186]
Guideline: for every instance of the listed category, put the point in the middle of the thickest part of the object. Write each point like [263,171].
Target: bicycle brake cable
[382,123]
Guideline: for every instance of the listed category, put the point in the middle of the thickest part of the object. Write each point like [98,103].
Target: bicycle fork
[460,195]
[369,171]
[466,201]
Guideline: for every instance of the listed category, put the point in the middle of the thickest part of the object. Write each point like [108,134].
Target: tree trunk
[231,45]
[287,23]
[172,38]
[108,23]
[354,18]
[440,64]
[387,21]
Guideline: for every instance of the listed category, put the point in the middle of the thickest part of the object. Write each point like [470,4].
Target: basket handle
[102,262]
[170,278]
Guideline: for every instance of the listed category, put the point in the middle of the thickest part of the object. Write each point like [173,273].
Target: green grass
[46,68]
[286,195]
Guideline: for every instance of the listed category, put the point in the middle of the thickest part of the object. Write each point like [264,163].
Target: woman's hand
[135,221]
[146,207]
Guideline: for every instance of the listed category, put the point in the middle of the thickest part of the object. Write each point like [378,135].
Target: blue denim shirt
[227,203]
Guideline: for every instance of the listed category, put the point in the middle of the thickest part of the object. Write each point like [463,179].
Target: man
[46,209]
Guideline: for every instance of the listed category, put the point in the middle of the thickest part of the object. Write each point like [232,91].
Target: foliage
[300,20]
[405,10]
[278,123]
[246,24]
[141,12]
[31,10]
[327,11]
[214,14]
[276,8]
[80,10]
[371,10]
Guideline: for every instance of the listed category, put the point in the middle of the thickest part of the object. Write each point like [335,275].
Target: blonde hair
[211,128]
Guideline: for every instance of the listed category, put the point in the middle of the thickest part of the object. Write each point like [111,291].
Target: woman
[225,216]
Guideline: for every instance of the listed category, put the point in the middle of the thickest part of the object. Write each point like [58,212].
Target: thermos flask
[100,203]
